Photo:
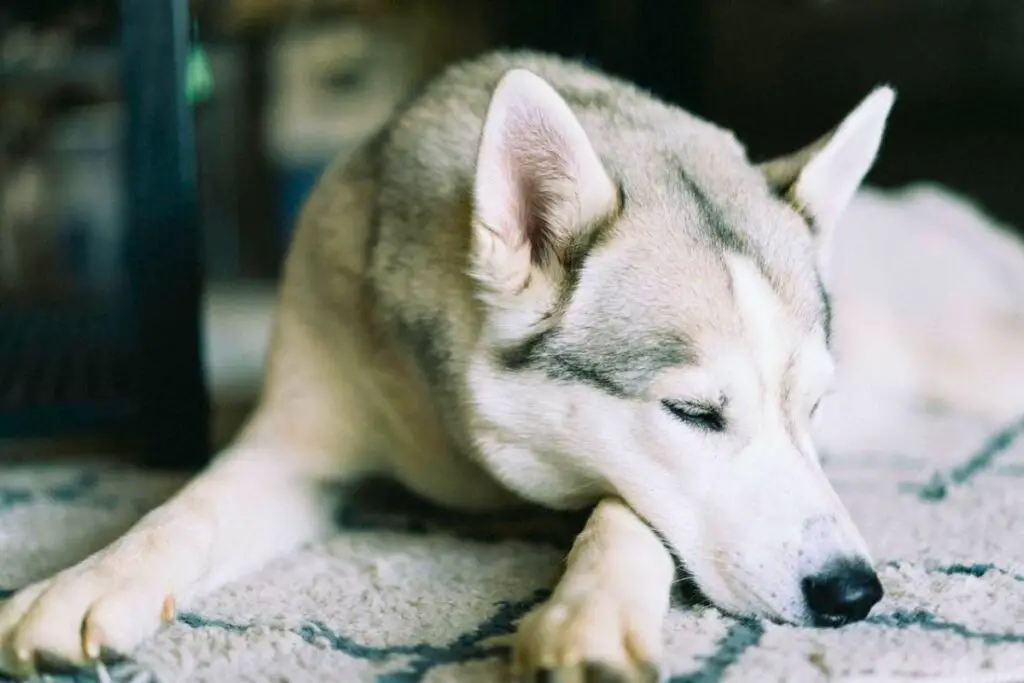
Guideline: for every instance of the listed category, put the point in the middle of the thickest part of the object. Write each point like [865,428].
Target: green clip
[198,74]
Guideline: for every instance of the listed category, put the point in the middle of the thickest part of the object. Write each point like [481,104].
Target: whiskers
[748,587]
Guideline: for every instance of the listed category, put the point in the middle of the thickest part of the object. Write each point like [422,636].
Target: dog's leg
[604,620]
[246,508]
[261,497]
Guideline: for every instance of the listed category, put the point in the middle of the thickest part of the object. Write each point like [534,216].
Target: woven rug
[405,592]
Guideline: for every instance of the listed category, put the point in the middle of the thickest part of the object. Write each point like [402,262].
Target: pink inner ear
[540,175]
[539,181]
[535,214]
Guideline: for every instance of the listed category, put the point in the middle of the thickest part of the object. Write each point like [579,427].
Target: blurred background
[154,154]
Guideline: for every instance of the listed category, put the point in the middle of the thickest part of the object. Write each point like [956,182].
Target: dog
[538,284]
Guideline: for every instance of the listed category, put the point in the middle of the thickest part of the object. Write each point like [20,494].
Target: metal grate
[63,368]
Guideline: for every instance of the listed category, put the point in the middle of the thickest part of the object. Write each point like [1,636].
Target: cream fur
[392,323]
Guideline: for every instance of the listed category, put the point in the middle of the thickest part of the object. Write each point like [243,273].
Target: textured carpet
[408,593]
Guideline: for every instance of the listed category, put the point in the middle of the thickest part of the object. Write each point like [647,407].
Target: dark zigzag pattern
[741,636]
[977,569]
[81,490]
[937,488]
[415,660]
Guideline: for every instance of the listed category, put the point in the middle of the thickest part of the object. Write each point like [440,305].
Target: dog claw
[594,672]
[168,610]
[588,639]
[92,640]
[24,662]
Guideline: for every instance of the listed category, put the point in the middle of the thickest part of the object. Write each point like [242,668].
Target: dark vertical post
[260,246]
[162,244]
[673,62]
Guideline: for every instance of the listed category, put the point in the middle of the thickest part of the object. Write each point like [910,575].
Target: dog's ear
[821,179]
[539,187]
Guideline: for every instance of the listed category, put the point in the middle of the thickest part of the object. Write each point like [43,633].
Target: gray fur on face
[619,364]
[545,359]
[651,284]
[648,325]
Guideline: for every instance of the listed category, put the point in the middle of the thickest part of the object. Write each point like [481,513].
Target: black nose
[844,592]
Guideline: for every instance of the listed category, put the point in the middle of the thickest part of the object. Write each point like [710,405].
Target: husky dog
[537,284]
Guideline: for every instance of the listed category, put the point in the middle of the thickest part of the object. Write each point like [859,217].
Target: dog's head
[656,327]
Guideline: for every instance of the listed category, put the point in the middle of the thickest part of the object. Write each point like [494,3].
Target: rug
[405,592]
[408,593]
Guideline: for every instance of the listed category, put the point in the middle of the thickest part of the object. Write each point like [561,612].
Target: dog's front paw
[588,639]
[84,613]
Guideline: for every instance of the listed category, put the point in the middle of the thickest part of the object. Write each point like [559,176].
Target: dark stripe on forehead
[716,225]
[773,266]
[539,352]
[722,234]
[579,368]
[790,199]
[526,354]
[826,307]
[615,367]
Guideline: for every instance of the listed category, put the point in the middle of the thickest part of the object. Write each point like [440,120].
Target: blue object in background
[74,250]
[295,183]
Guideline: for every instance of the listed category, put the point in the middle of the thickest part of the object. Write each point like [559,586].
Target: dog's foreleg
[249,506]
[261,497]
[604,619]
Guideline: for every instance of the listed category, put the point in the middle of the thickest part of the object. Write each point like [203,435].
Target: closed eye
[705,416]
